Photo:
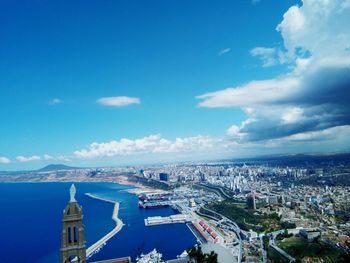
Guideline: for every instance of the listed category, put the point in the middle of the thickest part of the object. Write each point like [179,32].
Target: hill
[56,167]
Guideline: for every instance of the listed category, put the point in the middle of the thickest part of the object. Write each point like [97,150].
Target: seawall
[118,226]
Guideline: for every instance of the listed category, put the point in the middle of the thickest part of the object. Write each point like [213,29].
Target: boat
[152,204]
[151,257]
[156,206]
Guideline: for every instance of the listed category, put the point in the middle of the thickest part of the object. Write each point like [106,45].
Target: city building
[251,202]
[310,234]
[164,177]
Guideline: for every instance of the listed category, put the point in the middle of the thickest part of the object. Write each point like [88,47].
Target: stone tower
[73,238]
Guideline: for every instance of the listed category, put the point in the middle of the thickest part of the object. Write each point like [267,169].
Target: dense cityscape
[175,131]
[258,210]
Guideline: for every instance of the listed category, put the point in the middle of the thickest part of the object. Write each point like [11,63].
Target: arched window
[76,234]
[70,235]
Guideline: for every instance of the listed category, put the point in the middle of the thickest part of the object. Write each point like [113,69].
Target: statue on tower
[72,192]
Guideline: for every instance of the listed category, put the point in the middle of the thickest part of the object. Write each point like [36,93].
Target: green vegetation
[299,248]
[311,216]
[150,183]
[283,235]
[287,225]
[246,218]
[266,240]
[198,256]
[208,189]
[274,256]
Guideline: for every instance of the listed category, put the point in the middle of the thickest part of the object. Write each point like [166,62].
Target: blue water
[31,213]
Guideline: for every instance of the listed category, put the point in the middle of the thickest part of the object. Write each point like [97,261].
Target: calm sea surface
[31,213]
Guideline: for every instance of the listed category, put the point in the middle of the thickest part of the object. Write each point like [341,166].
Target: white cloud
[118,101]
[55,101]
[4,160]
[28,159]
[48,157]
[148,145]
[311,99]
[320,27]
[292,115]
[267,55]
[250,94]
[224,51]
[62,158]
[330,133]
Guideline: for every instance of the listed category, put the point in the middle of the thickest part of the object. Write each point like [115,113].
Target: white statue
[72,192]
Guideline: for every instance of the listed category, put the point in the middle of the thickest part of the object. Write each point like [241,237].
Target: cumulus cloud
[313,97]
[224,51]
[118,101]
[147,145]
[4,160]
[55,101]
[28,159]
[319,27]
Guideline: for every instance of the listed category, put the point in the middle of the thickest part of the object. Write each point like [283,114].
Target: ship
[142,197]
[152,204]
[151,257]
[156,205]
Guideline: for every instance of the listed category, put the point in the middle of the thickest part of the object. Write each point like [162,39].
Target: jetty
[118,226]
[99,198]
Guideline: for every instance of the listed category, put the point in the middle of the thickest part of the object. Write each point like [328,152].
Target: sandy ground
[140,189]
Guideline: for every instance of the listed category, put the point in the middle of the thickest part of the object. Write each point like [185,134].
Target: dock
[118,226]
[198,234]
[173,219]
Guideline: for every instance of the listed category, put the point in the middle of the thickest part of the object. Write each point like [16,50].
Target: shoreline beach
[139,188]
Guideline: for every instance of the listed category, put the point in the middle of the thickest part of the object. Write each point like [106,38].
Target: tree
[196,254]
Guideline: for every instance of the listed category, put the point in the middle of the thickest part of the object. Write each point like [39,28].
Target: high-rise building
[72,238]
[251,202]
[163,177]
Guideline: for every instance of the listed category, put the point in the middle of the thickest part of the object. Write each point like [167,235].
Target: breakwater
[118,226]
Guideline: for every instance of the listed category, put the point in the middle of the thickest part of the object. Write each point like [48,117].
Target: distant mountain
[56,167]
[297,159]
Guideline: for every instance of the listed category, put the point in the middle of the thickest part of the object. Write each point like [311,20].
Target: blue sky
[74,73]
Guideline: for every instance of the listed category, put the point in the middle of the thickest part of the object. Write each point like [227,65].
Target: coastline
[138,188]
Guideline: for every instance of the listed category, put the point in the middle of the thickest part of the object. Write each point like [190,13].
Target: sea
[31,214]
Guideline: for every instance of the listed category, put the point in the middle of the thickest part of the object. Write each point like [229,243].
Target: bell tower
[72,237]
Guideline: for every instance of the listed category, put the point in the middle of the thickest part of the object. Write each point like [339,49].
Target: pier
[118,226]
[173,219]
